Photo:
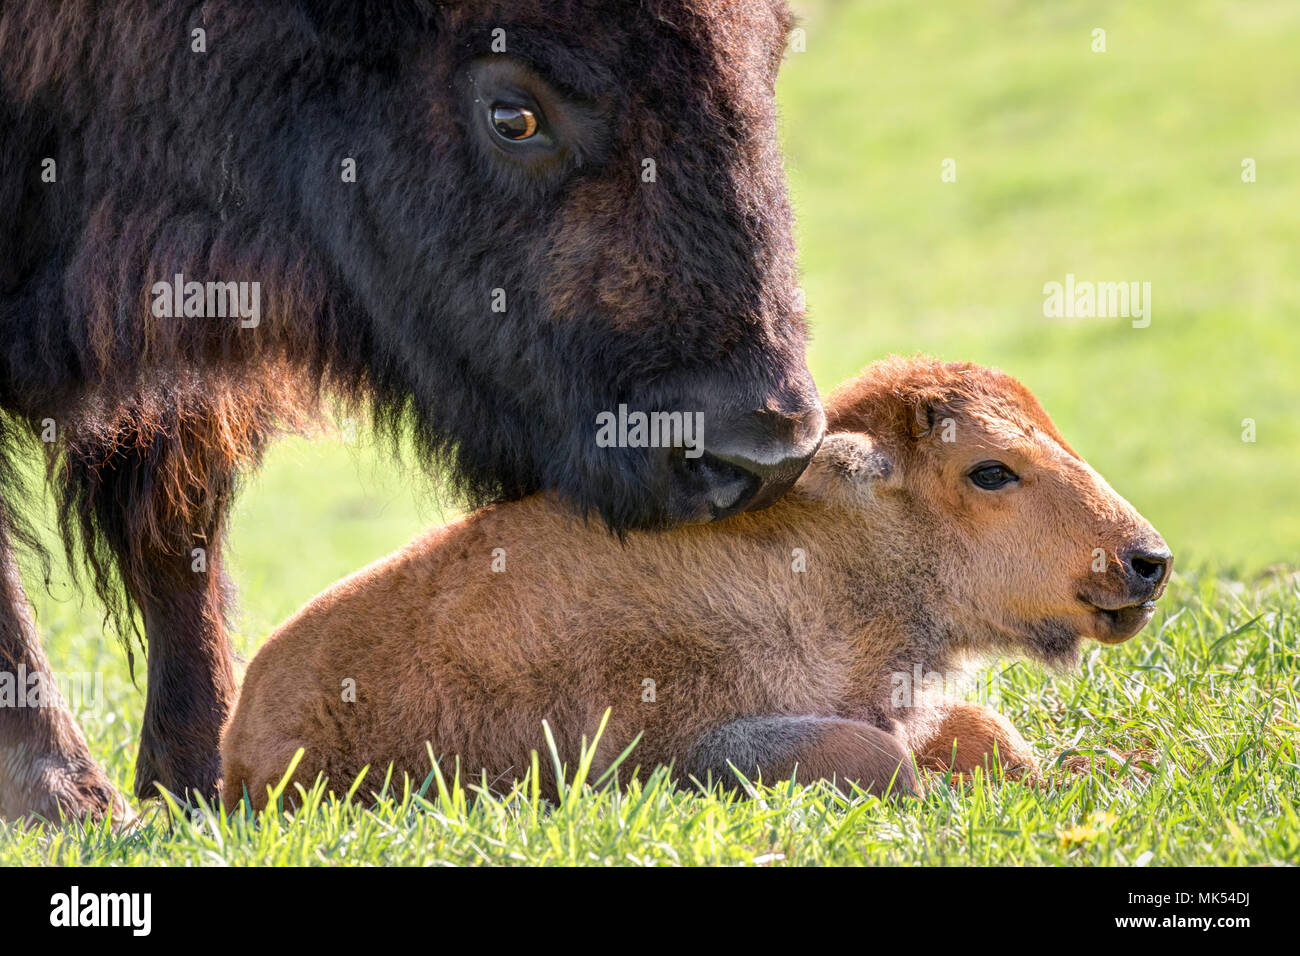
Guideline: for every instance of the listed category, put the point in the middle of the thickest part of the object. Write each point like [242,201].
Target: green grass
[1123,165]
[1207,698]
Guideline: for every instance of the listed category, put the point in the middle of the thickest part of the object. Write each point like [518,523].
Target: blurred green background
[1123,165]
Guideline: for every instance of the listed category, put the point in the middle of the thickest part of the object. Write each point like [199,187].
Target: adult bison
[486,223]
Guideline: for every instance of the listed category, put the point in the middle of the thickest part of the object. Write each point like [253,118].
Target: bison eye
[515,123]
[991,475]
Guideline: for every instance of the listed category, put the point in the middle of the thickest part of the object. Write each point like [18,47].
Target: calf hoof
[870,758]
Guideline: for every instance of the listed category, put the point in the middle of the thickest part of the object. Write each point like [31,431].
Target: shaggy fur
[755,660]
[226,165]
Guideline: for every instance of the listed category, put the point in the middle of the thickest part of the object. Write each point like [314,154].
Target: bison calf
[943,519]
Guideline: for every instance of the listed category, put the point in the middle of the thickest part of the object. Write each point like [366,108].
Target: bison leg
[153,502]
[46,770]
[191,683]
[807,749]
[966,735]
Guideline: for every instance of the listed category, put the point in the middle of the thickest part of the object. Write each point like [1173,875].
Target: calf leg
[45,767]
[965,735]
[806,749]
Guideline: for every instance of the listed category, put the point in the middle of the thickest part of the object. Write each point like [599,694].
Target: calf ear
[929,409]
[848,463]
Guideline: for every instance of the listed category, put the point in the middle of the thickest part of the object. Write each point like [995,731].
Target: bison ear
[848,464]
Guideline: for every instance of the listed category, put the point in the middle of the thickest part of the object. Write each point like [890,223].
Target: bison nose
[755,457]
[1147,569]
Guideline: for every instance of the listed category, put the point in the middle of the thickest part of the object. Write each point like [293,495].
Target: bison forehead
[739,38]
[757,29]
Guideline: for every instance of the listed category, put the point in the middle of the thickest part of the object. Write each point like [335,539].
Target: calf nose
[763,452]
[1147,569]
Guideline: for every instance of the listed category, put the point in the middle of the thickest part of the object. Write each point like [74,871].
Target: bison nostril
[1150,567]
[763,453]
[725,485]
[748,460]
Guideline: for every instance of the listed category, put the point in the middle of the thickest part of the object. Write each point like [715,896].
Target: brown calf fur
[779,642]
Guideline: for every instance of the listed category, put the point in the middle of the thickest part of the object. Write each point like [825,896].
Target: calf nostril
[1148,570]
[1150,566]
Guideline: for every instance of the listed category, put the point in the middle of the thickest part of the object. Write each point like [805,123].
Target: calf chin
[1055,641]
[1118,626]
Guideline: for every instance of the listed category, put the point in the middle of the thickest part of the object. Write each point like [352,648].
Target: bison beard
[129,156]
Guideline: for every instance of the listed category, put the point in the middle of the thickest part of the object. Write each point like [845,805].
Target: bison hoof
[63,792]
[183,776]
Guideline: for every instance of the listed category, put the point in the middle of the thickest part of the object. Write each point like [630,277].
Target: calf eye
[515,123]
[991,475]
